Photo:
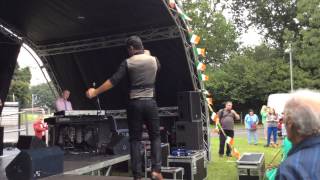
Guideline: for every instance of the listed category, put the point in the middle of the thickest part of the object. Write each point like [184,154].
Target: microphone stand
[99,110]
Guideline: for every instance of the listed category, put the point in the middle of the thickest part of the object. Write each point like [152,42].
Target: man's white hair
[303,108]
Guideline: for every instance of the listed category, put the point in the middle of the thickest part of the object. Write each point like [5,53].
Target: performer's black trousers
[139,112]
[229,133]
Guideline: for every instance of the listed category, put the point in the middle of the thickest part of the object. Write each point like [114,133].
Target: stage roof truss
[194,73]
[150,35]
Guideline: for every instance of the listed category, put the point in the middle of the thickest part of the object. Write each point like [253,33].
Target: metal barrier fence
[23,126]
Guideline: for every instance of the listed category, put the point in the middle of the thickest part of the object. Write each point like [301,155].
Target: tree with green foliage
[306,44]
[250,76]
[218,35]
[44,97]
[271,17]
[20,86]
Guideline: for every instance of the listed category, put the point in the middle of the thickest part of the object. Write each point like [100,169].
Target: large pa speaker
[189,135]
[36,163]
[30,142]
[1,140]
[189,106]
[118,145]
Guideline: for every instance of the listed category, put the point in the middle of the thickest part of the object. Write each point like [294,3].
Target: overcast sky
[26,59]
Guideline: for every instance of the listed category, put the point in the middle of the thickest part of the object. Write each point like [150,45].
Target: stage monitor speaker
[118,145]
[189,135]
[30,142]
[189,106]
[35,163]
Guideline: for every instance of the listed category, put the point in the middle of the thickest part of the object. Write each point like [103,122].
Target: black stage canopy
[82,41]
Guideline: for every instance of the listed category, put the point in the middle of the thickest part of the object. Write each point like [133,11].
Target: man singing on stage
[141,69]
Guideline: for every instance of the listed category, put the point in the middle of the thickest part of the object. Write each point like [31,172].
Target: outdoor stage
[73,164]
[88,48]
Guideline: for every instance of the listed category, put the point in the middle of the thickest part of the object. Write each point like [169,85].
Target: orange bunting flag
[230,141]
[201,66]
[204,77]
[235,153]
[215,118]
[213,115]
[201,51]
[172,3]
[195,39]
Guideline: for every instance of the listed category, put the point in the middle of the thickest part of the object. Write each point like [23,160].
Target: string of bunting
[201,67]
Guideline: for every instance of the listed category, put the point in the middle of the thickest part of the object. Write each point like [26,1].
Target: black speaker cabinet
[189,106]
[189,135]
[195,165]
[35,163]
[1,140]
[118,145]
[30,142]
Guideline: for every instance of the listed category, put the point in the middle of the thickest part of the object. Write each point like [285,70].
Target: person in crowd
[251,121]
[40,128]
[302,122]
[141,68]
[62,103]
[263,113]
[227,116]
[283,127]
[272,122]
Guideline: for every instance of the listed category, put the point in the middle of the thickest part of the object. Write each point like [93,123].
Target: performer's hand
[91,93]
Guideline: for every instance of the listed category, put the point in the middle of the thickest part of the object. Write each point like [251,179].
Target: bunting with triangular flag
[230,141]
[204,77]
[172,3]
[201,66]
[201,51]
[235,153]
[206,92]
[182,14]
[195,39]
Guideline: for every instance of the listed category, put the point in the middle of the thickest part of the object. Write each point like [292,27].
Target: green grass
[225,168]
[28,117]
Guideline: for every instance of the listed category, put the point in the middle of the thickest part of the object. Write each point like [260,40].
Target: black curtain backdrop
[9,51]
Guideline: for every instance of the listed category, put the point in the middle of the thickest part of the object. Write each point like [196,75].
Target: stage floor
[82,177]
[73,164]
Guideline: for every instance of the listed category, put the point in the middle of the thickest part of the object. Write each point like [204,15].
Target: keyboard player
[62,103]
